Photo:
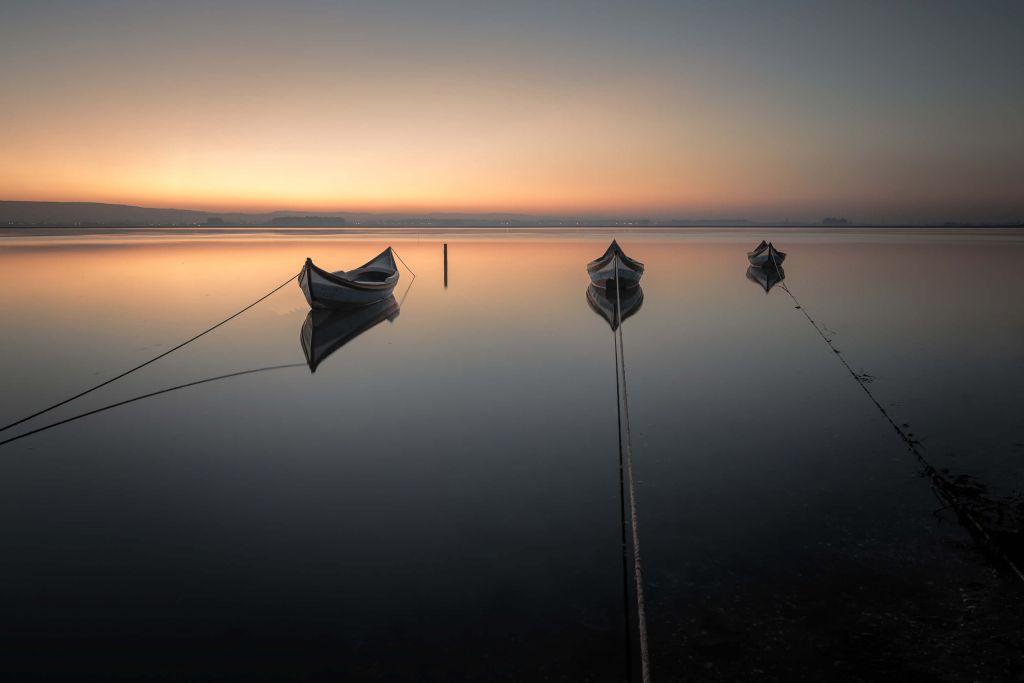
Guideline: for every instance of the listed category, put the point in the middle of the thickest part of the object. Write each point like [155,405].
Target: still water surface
[439,500]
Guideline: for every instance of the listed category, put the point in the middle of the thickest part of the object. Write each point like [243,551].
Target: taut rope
[403,262]
[151,360]
[938,483]
[622,512]
[149,395]
[641,616]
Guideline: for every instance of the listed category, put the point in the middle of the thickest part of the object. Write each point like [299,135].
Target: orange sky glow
[679,111]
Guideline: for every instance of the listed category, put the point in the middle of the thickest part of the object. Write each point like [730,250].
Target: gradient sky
[877,111]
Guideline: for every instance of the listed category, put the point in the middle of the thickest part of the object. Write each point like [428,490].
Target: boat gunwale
[354,283]
[615,250]
[759,249]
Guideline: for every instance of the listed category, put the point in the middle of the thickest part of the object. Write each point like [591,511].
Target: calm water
[440,499]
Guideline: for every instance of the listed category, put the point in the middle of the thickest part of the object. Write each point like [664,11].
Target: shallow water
[440,499]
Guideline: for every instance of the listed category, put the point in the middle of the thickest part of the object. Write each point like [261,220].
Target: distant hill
[73,214]
[16,214]
[307,221]
[93,214]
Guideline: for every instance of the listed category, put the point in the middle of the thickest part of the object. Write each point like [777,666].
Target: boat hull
[614,265]
[765,259]
[368,284]
[605,275]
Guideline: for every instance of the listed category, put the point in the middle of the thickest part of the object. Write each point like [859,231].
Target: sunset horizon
[932,211]
[459,341]
[767,111]
[26,213]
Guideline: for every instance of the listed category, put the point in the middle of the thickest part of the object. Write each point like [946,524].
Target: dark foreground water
[439,501]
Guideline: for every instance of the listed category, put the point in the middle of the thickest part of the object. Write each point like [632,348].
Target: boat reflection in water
[326,331]
[766,278]
[602,300]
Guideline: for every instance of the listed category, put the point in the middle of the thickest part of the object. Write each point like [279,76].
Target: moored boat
[614,262]
[369,283]
[326,331]
[766,255]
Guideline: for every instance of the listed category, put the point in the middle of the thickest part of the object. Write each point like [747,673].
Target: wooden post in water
[446,265]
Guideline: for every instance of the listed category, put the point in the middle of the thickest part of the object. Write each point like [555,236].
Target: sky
[910,111]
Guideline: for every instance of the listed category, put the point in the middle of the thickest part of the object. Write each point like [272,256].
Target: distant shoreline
[11,232]
[551,225]
[28,215]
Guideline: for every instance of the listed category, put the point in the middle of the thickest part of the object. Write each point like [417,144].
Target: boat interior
[371,275]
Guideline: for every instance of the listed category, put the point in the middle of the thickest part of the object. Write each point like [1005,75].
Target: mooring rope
[622,512]
[149,395]
[403,262]
[938,484]
[406,293]
[151,360]
[401,301]
[641,615]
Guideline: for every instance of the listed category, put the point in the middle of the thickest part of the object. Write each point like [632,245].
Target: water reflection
[766,278]
[326,331]
[603,299]
[243,513]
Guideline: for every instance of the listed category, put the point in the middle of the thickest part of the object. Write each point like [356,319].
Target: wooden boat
[614,261]
[766,278]
[766,255]
[367,284]
[759,249]
[602,300]
[326,331]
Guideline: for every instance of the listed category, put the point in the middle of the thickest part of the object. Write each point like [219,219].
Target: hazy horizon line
[519,218]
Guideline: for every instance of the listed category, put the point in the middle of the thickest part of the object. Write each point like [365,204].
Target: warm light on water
[445,486]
